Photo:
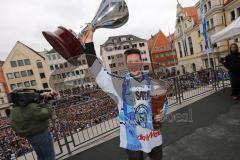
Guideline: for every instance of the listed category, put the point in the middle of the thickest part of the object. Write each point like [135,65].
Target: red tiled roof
[192,12]
[158,40]
[227,2]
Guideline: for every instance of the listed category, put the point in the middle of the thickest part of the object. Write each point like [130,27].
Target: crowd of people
[191,81]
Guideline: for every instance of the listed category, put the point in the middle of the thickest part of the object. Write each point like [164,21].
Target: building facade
[64,75]
[162,51]
[26,68]
[4,103]
[187,40]
[232,12]
[112,53]
[215,21]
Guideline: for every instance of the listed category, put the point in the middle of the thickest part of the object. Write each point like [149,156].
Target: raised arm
[102,77]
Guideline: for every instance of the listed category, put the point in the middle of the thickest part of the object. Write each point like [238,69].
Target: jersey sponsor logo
[149,136]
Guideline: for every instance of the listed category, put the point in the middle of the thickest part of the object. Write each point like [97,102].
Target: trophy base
[64,42]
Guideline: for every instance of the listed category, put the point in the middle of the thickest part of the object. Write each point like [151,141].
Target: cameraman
[29,118]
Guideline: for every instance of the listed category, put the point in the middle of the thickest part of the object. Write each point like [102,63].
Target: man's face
[134,63]
[234,48]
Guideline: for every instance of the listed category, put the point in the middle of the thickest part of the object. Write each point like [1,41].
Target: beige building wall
[64,75]
[232,12]
[215,17]
[25,67]
[188,28]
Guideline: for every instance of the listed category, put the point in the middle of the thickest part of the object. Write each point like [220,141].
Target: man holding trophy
[141,101]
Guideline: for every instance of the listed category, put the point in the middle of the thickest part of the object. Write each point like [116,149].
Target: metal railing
[71,134]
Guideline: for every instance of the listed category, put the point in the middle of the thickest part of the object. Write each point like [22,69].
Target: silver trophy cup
[111,14]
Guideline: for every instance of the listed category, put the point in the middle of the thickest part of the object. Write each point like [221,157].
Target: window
[42,75]
[84,62]
[58,56]
[49,57]
[33,83]
[56,66]
[190,45]
[119,47]
[61,65]
[13,86]
[209,4]
[30,72]
[115,72]
[20,63]
[63,75]
[208,26]
[77,73]
[180,49]
[19,85]
[54,57]
[205,8]
[109,57]
[39,65]
[65,65]
[123,39]
[81,71]
[238,11]
[125,46]
[45,85]
[73,73]
[51,67]
[146,67]
[23,73]
[201,47]
[112,57]
[141,44]
[27,84]
[10,75]
[112,65]
[134,46]
[27,62]
[199,33]
[13,64]
[16,74]
[212,22]
[233,16]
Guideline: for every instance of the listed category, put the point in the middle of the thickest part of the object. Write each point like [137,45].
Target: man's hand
[159,117]
[88,37]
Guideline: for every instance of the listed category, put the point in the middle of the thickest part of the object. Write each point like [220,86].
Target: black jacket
[232,63]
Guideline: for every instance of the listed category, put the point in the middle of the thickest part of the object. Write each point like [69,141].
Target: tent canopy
[231,31]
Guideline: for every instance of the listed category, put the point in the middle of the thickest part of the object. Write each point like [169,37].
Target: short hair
[133,51]
[234,44]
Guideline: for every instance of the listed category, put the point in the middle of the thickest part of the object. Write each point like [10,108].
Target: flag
[204,25]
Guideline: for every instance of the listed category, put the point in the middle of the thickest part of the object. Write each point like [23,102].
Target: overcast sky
[23,20]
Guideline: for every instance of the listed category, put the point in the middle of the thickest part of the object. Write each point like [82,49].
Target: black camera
[23,97]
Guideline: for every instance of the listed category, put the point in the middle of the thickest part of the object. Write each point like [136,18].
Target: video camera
[23,97]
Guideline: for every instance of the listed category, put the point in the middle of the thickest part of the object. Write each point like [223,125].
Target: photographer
[29,118]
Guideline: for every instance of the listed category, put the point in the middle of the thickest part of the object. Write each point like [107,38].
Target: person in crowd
[232,63]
